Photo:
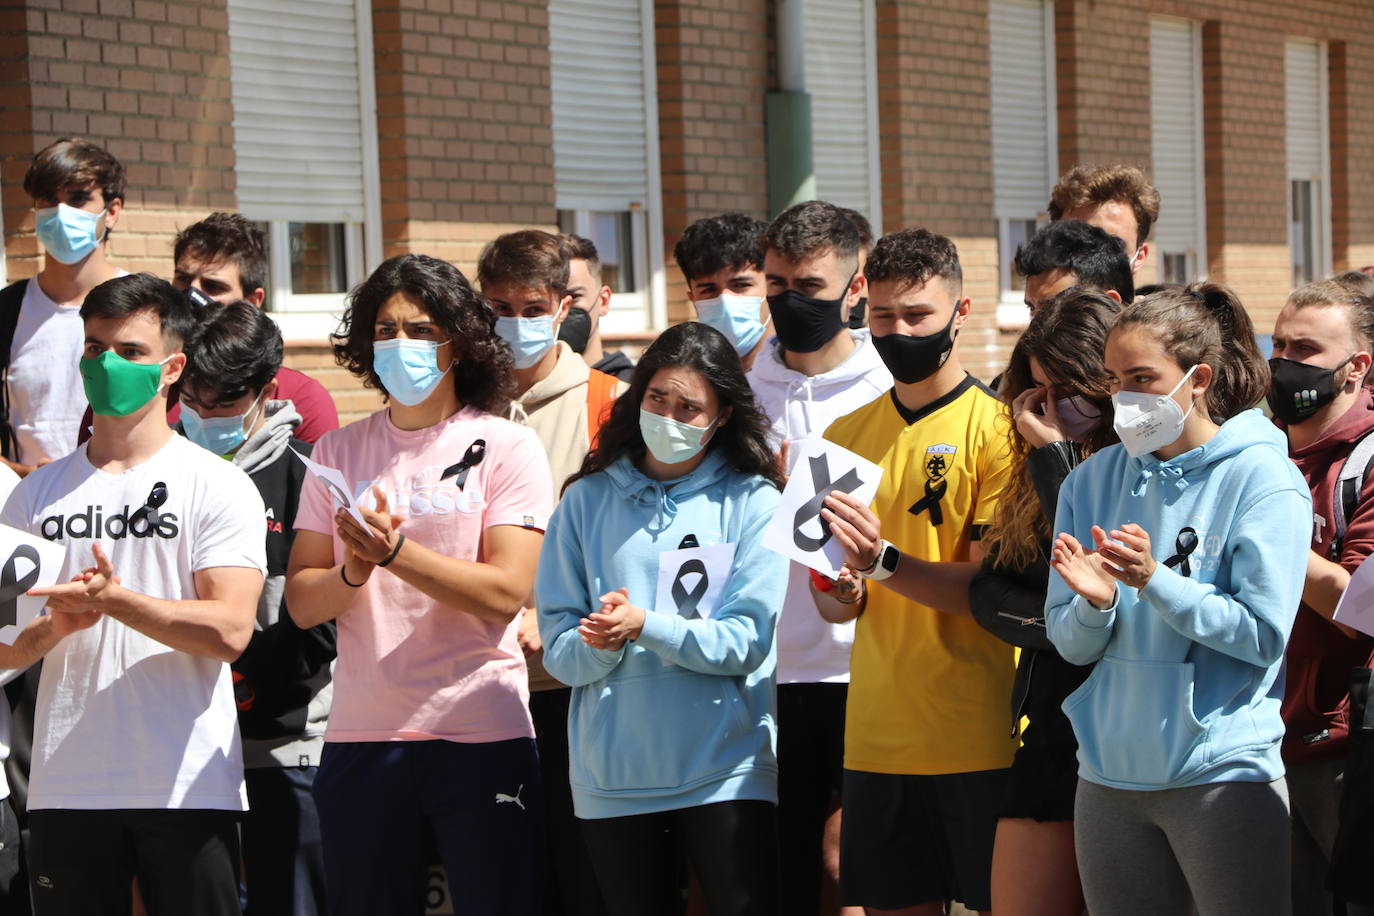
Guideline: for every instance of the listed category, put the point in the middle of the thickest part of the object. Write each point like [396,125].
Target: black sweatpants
[733,848]
[82,863]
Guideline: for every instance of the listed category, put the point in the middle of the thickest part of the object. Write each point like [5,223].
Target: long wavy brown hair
[1067,336]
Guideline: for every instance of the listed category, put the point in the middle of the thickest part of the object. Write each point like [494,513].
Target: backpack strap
[1349,485]
[11,301]
[601,396]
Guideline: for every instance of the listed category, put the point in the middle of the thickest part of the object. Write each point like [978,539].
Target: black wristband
[400,539]
[344,576]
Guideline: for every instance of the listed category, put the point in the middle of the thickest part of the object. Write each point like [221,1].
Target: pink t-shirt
[409,667]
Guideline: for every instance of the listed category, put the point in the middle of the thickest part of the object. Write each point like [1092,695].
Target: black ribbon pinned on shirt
[935,491]
[685,600]
[11,586]
[157,497]
[1184,544]
[473,457]
[820,479]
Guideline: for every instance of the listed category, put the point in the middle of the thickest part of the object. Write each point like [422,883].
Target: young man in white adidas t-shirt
[137,768]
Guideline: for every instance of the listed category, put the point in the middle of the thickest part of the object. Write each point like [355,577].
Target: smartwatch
[886,563]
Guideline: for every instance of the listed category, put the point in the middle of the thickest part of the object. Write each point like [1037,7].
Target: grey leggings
[1221,848]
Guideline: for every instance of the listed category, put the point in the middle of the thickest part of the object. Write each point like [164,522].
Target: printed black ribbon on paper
[473,457]
[11,586]
[1184,544]
[935,491]
[820,479]
[685,600]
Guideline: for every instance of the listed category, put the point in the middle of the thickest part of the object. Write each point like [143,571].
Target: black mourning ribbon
[11,586]
[820,479]
[935,491]
[1184,544]
[157,496]
[473,457]
[685,600]
[688,542]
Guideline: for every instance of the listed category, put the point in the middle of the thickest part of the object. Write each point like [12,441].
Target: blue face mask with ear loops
[67,233]
[737,317]
[529,338]
[409,369]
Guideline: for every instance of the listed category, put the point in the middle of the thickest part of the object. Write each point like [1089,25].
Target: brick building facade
[455,120]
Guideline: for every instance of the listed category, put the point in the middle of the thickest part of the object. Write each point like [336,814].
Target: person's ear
[1142,255]
[1359,368]
[1113,295]
[1201,380]
[269,391]
[562,311]
[256,298]
[858,288]
[603,302]
[961,310]
[112,211]
[174,368]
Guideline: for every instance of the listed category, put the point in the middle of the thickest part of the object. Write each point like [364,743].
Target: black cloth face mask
[915,359]
[576,329]
[805,324]
[1298,390]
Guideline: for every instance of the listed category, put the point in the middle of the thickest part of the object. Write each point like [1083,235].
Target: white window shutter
[840,67]
[600,123]
[1023,107]
[1176,136]
[297,110]
[1304,110]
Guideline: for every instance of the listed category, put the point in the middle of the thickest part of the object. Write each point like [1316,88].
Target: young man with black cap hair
[1069,253]
[721,258]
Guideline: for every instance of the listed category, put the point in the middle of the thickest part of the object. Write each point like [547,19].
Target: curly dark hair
[1096,258]
[227,237]
[483,368]
[1095,185]
[914,256]
[234,349]
[714,243]
[811,229]
[742,439]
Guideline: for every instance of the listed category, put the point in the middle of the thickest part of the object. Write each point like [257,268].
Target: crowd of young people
[541,637]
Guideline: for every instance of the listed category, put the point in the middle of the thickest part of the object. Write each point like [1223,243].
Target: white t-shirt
[123,720]
[47,399]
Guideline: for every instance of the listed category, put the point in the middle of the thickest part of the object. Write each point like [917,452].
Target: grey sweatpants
[1220,848]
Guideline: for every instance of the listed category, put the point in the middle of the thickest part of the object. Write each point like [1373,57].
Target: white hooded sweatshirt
[800,407]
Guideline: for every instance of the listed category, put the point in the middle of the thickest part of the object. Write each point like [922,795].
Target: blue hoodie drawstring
[1171,472]
[659,495]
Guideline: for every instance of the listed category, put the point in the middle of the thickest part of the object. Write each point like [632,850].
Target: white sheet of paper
[686,568]
[1356,607]
[819,467]
[333,480]
[26,561]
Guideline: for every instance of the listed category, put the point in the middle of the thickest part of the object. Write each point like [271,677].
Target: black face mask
[576,329]
[915,359]
[804,324]
[1297,390]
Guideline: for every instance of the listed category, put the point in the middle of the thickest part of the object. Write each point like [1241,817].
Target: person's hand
[94,589]
[1037,417]
[616,621]
[1127,554]
[370,544]
[855,528]
[1083,571]
[527,634]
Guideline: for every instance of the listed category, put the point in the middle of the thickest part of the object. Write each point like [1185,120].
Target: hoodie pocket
[1135,722]
[661,731]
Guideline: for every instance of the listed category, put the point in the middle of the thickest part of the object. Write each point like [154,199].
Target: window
[306,154]
[1176,146]
[1307,147]
[1024,125]
[605,148]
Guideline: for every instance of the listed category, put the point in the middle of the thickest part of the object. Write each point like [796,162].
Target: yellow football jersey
[929,692]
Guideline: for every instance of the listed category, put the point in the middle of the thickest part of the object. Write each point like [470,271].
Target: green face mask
[116,387]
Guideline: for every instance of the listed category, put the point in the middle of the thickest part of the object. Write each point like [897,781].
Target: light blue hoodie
[684,715]
[1189,672]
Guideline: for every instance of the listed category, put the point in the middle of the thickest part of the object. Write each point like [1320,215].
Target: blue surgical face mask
[67,233]
[529,338]
[409,369]
[737,317]
[220,435]
[670,441]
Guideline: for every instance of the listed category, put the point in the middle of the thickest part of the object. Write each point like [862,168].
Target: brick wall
[711,128]
[147,80]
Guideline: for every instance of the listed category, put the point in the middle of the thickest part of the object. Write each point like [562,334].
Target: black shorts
[1042,783]
[909,840]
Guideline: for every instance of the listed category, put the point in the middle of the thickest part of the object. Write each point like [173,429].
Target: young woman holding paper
[657,603]
[429,724]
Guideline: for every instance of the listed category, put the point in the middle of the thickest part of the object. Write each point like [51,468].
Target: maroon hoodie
[1316,698]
